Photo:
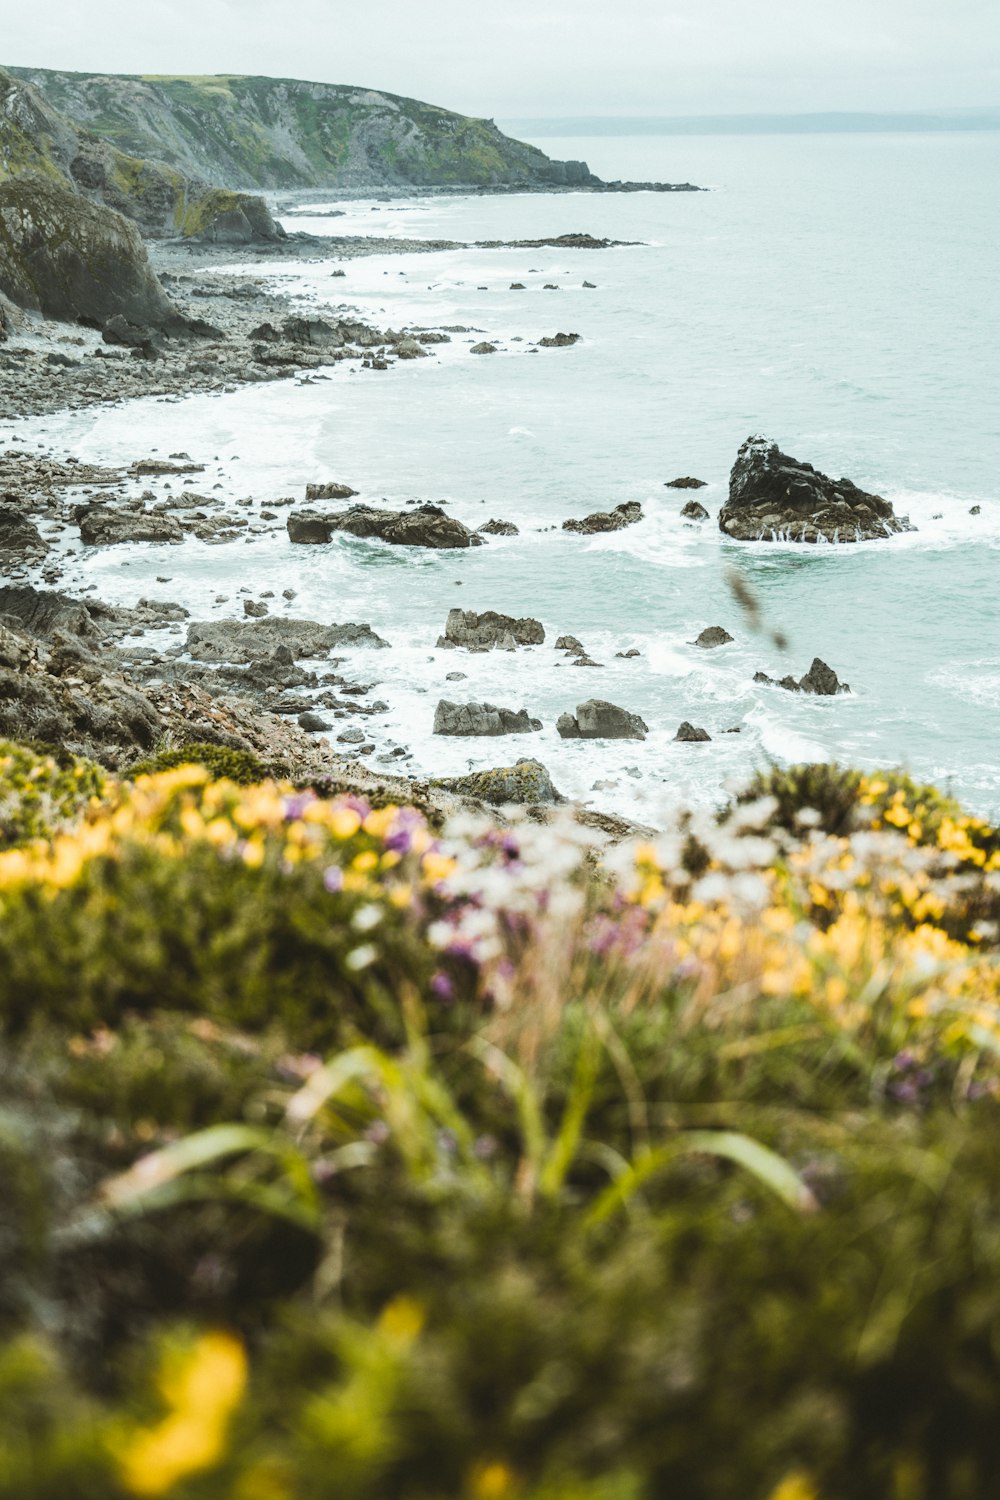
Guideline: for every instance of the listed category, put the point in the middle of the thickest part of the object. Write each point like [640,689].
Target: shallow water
[836,293]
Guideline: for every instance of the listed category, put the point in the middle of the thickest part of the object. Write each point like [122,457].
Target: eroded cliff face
[248,132]
[39,142]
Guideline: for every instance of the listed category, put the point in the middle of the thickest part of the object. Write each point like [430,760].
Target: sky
[548,57]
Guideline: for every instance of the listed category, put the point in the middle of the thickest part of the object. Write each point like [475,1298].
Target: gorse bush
[239,766]
[345,1157]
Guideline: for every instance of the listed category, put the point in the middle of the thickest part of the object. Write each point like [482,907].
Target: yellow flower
[202,1392]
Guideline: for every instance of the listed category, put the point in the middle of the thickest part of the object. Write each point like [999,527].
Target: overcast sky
[548,57]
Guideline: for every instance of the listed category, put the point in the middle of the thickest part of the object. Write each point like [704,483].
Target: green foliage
[41,793]
[239,766]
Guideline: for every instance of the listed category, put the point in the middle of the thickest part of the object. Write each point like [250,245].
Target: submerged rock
[599,720]
[329,491]
[560,341]
[773,496]
[526,782]
[819,679]
[482,719]
[466,628]
[686,483]
[611,520]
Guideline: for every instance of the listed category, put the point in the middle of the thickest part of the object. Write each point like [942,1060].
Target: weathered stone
[527,782]
[599,720]
[254,609]
[694,511]
[775,497]
[251,640]
[483,348]
[466,628]
[685,483]
[571,644]
[20,541]
[692,733]
[424,526]
[612,520]
[819,679]
[560,341]
[712,636]
[499,528]
[312,722]
[329,491]
[481,719]
[104,526]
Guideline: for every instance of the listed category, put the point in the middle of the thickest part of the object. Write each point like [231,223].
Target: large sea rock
[423,526]
[75,260]
[599,720]
[466,628]
[526,782]
[773,497]
[606,520]
[252,640]
[482,719]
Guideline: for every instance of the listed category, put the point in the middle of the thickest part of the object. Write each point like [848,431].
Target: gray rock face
[329,491]
[465,628]
[526,782]
[694,511]
[104,526]
[773,496]
[692,733]
[610,520]
[571,644]
[251,640]
[499,528]
[20,541]
[68,258]
[599,720]
[254,609]
[819,679]
[713,636]
[481,719]
[423,526]
[312,722]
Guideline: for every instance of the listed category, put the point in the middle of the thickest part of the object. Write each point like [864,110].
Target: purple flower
[296,805]
[333,879]
[442,987]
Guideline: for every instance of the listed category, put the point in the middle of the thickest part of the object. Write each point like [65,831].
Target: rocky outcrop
[774,497]
[498,528]
[20,541]
[687,482]
[481,719]
[67,258]
[329,491]
[819,679]
[251,640]
[423,526]
[611,520]
[286,133]
[560,341]
[712,636]
[599,720]
[38,142]
[694,511]
[691,734]
[106,526]
[527,782]
[465,628]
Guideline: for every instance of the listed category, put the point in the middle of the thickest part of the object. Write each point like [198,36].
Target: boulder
[312,723]
[252,640]
[686,483]
[105,526]
[254,609]
[526,782]
[329,491]
[483,348]
[481,719]
[819,679]
[68,258]
[42,612]
[712,636]
[694,511]
[410,349]
[424,526]
[611,520]
[598,720]
[465,628]
[20,541]
[692,733]
[560,341]
[571,644]
[499,528]
[775,497]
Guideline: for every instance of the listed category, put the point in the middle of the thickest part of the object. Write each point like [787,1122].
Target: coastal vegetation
[344,1155]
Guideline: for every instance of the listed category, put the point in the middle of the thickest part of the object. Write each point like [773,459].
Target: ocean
[835,293]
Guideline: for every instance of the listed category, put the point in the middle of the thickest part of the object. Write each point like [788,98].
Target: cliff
[282,133]
[38,141]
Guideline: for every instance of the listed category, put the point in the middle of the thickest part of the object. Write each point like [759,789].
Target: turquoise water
[835,293]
